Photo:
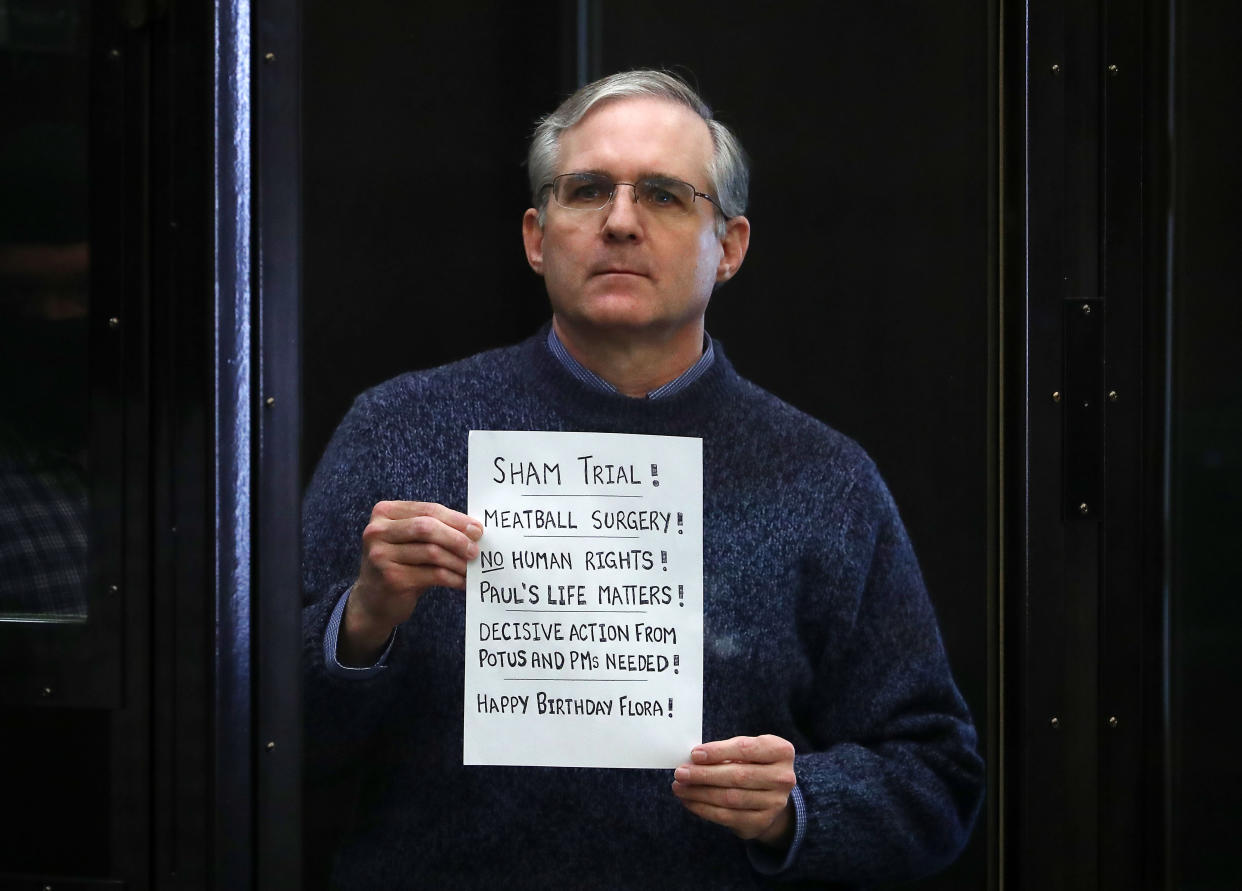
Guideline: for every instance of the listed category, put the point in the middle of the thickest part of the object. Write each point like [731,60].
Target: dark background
[864,299]
[1205,434]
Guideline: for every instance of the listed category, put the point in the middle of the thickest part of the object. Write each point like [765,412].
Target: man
[838,748]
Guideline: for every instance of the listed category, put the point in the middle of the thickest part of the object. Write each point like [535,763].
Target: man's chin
[626,313]
[623,310]
[619,320]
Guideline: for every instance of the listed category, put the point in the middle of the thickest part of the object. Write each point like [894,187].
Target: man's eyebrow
[656,175]
[660,175]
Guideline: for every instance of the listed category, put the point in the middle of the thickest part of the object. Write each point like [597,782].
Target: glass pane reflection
[44,312]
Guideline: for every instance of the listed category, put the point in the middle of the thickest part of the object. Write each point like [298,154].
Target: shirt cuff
[330,637]
[769,862]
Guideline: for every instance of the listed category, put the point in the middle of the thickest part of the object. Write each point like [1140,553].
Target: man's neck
[635,365]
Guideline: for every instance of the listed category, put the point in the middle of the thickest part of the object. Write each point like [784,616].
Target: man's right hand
[408,547]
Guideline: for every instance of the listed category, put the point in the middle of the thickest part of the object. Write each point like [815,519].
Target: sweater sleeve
[342,712]
[891,781]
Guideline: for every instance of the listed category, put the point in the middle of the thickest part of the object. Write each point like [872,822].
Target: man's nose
[622,214]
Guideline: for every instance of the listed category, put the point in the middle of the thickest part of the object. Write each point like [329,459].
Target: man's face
[626,269]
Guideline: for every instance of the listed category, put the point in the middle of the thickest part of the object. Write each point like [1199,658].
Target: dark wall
[415,118]
[865,299]
[1205,524]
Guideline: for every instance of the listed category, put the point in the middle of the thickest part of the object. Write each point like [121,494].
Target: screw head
[1054,722]
[45,692]
[1113,396]
[269,401]
[114,589]
[271,745]
[114,323]
[1086,309]
[1083,509]
[269,57]
[1112,721]
[1056,69]
[1114,70]
[1056,395]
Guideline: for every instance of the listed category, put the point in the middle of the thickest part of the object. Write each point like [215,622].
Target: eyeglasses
[594,191]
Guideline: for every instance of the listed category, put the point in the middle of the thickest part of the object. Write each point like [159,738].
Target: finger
[399,578]
[764,749]
[746,824]
[420,530]
[732,799]
[738,775]
[402,510]
[418,554]
[441,577]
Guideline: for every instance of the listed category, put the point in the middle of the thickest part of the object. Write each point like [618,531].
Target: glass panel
[44,311]
[402,273]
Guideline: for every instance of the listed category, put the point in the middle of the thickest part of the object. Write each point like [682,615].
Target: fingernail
[681,774]
[472,551]
[475,532]
[698,755]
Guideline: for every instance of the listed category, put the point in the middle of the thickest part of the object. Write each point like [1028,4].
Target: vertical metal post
[1081,599]
[277,483]
[233,402]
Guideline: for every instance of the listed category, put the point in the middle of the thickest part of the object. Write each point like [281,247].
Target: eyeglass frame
[551,186]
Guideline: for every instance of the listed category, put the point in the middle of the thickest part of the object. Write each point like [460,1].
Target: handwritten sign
[584,609]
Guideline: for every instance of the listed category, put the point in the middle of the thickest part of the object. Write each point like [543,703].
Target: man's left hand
[742,783]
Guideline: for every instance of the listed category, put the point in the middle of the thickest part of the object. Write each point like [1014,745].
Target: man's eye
[659,196]
[585,193]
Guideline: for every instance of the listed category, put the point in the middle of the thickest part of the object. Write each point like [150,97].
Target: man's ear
[532,238]
[733,245]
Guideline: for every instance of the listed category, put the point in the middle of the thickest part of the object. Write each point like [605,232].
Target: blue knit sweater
[817,628]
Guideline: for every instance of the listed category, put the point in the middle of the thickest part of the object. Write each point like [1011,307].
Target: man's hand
[408,547]
[742,783]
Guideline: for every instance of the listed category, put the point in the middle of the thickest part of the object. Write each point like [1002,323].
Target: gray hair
[728,170]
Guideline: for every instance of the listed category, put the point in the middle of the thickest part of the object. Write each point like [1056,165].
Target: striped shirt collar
[594,381]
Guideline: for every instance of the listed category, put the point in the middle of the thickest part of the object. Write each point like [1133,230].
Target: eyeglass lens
[591,191]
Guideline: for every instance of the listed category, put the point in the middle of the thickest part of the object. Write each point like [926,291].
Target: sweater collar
[702,402]
[591,379]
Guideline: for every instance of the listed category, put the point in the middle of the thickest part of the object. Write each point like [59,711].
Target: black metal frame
[233,398]
[1083,393]
[257,411]
[190,658]
[278,534]
[174,844]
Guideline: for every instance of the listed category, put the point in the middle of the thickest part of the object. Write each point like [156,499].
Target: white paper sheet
[584,609]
